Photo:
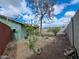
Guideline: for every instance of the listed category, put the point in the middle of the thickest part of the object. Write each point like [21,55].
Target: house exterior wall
[20,32]
[76,31]
[5,37]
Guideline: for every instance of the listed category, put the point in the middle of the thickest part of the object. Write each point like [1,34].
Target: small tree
[55,30]
[42,8]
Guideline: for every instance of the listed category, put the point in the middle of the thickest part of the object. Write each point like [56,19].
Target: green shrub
[32,39]
[29,29]
[49,29]
[55,30]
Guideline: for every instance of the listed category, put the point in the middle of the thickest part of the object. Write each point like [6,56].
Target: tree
[55,30]
[42,8]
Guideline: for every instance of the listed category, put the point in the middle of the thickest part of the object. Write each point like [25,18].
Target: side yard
[52,48]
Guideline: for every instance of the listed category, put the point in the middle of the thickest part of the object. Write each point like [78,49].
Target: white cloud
[28,17]
[6,3]
[54,19]
[24,8]
[65,20]
[74,1]
[10,8]
[62,21]
[67,17]
[58,8]
[45,20]
[70,13]
[55,22]
[10,11]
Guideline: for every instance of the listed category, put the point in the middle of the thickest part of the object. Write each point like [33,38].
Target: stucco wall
[76,31]
[20,32]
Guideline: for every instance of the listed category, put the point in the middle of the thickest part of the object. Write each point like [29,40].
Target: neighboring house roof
[13,20]
[10,19]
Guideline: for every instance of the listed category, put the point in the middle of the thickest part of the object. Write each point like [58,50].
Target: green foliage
[29,28]
[55,30]
[32,39]
[36,32]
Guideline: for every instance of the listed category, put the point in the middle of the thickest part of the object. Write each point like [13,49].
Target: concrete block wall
[69,32]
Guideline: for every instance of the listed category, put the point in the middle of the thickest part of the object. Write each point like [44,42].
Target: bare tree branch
[43,7]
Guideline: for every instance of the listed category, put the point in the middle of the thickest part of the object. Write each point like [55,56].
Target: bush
[55,30]
[32,39]
[30,29]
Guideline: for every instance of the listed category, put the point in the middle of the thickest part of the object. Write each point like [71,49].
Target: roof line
[10,19]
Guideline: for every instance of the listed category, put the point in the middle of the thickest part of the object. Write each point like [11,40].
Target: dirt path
[53,50]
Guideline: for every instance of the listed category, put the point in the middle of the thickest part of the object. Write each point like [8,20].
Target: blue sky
[73,5]
[64,10]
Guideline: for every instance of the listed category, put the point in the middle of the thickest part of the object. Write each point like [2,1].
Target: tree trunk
[41,23]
